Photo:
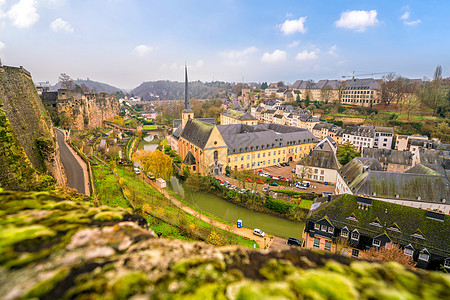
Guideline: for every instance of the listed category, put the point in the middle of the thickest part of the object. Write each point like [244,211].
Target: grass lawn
[306,204]
[179,225]
[148,127]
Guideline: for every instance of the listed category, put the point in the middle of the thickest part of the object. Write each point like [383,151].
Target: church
[207,148]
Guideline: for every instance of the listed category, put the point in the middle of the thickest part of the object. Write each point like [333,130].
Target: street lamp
[264,243]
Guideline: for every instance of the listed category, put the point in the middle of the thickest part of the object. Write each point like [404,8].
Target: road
[236,103]
[74,171]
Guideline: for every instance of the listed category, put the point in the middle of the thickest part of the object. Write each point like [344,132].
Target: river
[232,212]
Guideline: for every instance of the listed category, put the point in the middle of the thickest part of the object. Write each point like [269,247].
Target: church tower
[187,113]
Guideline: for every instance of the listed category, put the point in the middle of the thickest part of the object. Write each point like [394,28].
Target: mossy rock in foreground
[48,253]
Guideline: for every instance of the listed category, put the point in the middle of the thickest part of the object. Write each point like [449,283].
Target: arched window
[216,154]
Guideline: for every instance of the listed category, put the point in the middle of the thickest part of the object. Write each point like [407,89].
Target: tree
[305,171]
[307,100]
[442,132]
[346,153]
[388,89]
[326,93]
[433,95]
[264,85]
[66,81]
[280,84]
[297,99]
[390,252]
[156,162]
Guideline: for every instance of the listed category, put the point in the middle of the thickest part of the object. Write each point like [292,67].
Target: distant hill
[172,90]
[99,86]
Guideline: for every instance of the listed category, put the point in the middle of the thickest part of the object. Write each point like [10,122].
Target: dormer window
[352,218]
[317,226]
[376,243]
[424,255]
[418,234]
[447,263]
[355,235]
[344,233]
[324,228]
[330,229]
[376,223]
[394,227]
[409,250]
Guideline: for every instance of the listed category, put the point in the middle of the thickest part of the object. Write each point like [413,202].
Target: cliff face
[53,248]
[27,140]
[79,111]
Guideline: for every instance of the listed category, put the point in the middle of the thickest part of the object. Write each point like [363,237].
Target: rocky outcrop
[55,248]
[27,141]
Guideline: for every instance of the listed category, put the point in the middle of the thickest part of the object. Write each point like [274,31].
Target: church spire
[187,101]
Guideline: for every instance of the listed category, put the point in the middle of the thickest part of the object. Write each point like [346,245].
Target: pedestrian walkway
[245,232]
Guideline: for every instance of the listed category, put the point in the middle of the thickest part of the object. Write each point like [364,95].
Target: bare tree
[325,93]
[388,89]
[390,252]
[66,81]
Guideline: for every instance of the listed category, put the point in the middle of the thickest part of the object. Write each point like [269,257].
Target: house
[149,114]
[321,164]
[270,91]
[350,225]
[307,121]
[403,142]
[320,130]
[268,116]
[391,160]
[351,172]
[369,136]
[231,116]
[278,118]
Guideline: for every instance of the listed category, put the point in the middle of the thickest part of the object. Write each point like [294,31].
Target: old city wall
[81,111]
[27,141]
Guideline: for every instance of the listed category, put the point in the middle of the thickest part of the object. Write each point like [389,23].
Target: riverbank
[244,232]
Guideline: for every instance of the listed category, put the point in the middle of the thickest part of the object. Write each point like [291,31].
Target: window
[321,178]
[324,228]
[328,245]
[355,235]
[330,229]
[424,256]
[355,253]
[317,226]
[259,155]
[344,234]
[376,243]
[321,172]
[235,159]
[242,157]
[242,166]
[315,177]
[315,171]
[316,243]
[447,263]
[408,252]
[248,157]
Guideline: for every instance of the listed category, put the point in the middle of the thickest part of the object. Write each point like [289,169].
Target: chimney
[329,198]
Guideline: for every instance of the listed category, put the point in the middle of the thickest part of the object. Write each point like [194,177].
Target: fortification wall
[26,128]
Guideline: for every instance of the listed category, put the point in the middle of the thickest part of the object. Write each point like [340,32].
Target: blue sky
[126,42]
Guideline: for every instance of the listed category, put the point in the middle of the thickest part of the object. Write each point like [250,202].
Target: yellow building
[208,149]
[231,116]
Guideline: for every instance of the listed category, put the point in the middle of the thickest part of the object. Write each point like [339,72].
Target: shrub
[278,206]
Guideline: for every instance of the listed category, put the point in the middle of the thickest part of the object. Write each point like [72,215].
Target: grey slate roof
[389,156]
[176,134]
[197,132]
[429,156]
[321,159]
[189,159]
[408,186]
[362,84]
[357,166]
[242,138]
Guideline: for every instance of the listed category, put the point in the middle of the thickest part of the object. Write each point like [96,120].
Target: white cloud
[275,56]
[23,14]
[294,44]
[199,64]
[332,50]
[405,16]
[412,23]
[142,50]
[305,55]
[293,26]
[2,47]
[60,25]
[237,54]
[357,20]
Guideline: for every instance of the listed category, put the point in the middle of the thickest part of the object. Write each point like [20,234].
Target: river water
[232,212]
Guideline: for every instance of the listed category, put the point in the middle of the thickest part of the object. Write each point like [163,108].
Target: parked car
[278,165]
[258,232]
[293,171]
[283,164]
[260,171]
[300,186]
[294,242]
[137,171]
[306,183]
[249,180]
[259,181]
[273,184]
[287,164]
[120,162]
[266,189]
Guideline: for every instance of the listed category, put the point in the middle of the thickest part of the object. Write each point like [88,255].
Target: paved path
[245,232]
[75,167]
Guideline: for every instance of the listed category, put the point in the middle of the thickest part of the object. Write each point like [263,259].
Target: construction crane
[354,75]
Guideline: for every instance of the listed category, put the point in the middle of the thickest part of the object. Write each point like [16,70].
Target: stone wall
[26,128]
[79,111]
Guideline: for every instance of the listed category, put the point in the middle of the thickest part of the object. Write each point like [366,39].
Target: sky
[127,42]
